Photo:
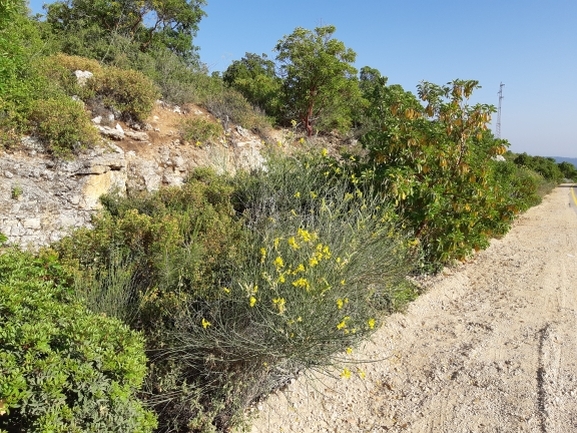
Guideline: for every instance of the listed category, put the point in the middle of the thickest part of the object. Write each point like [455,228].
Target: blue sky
[529,45]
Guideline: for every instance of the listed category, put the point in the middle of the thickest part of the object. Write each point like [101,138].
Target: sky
[529,45]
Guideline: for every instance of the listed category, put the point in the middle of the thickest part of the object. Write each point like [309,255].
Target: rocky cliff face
[42,199]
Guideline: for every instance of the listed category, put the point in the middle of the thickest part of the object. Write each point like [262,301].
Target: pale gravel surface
[490,347]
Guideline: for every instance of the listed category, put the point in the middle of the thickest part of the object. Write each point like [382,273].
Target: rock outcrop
[42,199]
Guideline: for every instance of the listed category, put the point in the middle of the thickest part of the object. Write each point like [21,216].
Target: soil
[490,347]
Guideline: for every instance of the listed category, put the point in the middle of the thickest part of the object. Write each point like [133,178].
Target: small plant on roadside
[17,192]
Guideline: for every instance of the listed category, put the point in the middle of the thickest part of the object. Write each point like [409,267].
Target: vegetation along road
[491,347]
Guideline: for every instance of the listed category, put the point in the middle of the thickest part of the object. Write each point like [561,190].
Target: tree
[255,77]
[319,78]
[434,161]
[147,23]
[569,171]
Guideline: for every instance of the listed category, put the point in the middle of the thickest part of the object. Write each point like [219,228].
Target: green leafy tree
[256,79]
[319,79]
[435,162]
[546,167]
[569,171]
[144,23]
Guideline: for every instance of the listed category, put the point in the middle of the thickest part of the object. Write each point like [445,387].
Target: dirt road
[491,347]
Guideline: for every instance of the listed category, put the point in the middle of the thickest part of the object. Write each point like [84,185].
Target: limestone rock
[82,77]
[114,133]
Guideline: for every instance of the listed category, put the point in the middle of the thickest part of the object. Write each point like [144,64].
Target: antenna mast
[499,111]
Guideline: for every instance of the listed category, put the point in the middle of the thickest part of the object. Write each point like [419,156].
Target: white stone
[138,136]
[32,223]
[82,77]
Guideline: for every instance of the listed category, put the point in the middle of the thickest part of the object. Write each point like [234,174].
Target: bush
[62,367]
[146,261]
[230,105]
[127,91]
[62,124]
[59,70]
[234,301]
[323,265]
[199,130]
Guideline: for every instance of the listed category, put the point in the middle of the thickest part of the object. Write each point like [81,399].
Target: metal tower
[499,111]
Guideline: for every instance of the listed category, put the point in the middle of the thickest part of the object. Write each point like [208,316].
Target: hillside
[42,198]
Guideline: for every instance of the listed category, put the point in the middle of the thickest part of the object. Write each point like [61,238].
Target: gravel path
[491,347]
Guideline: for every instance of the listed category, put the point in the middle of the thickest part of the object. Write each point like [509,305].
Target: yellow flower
[371,323]
[302,282]
[346,373]
[276,242]
[293,243]
[305,235]
[324,152]
[341,303]
[361,373]
[299,268]
[205,323]
[252,301]
[349,350]
[226,289]
[313,195]
[313,261]
[280,304]
[262,254]
[281,278]
[343,323]
[302,141]
[297,195]
[279,263]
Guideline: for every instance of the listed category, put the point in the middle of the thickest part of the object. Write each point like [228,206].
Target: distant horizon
[527,45]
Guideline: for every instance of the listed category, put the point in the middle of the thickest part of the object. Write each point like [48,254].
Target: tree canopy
[255,77]
[148,23]
[318,74]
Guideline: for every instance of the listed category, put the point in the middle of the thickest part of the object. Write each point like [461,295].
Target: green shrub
[74,63]
[146,261]
[179,82]
[59,70]
[238,284]
[62,124]
[128,91]
[230,105]
[17,192]
[62,368]
[323,265]
[199,130]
